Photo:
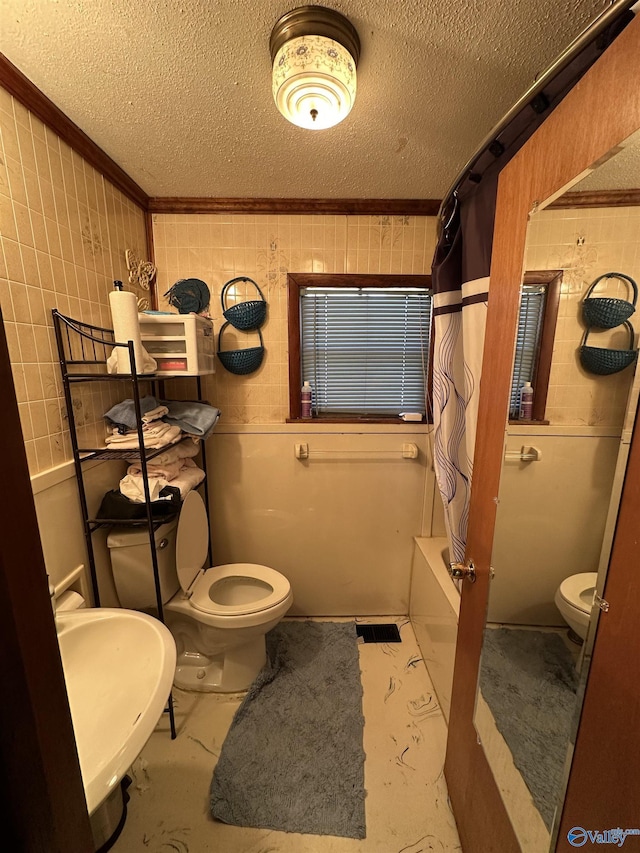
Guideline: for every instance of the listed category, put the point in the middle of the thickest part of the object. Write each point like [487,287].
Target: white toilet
[218,616]
[574,600]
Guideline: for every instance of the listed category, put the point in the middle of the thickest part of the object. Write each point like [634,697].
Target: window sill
[354,419]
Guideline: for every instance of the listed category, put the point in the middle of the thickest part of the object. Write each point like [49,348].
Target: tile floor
[407,809]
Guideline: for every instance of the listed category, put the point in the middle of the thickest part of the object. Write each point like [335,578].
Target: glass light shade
[314,82]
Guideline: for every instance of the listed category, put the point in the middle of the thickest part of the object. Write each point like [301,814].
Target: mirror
[560,487]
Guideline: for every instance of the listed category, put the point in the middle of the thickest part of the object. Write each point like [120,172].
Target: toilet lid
[577,590]
[236,589]
[192,539]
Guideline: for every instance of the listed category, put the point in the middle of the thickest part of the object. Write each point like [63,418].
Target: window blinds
[365,350]
[532,303]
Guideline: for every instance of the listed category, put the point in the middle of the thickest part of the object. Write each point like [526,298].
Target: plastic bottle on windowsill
[526,402]
[305,401]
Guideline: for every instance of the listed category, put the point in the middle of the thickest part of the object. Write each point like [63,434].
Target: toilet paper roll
[124,317]
[70,600]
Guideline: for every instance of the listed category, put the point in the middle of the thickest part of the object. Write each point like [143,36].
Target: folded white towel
[155,428]
[187,449]
[133,488]
[155,414]
[152,438]
[168,471]
[190,476]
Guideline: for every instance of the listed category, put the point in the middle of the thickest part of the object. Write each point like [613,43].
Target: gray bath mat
[293,759]
[529,680]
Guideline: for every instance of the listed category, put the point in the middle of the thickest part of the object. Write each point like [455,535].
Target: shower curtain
[460,280]
[460,295]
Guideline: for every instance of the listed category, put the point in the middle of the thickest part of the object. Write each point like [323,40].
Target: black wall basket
[605,361]
[245,316]
[189,295]
[241,361]
[606,312]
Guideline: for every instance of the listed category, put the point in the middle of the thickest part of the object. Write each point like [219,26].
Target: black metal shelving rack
[83,352]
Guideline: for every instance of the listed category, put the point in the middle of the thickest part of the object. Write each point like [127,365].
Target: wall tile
[585,244]
[64,234]
[216,248]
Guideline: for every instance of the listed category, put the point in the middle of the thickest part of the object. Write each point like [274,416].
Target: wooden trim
[43,794]
[293,322]
[15,82]
[545,277]
[314,279]
[296,281]
[552,280]
[547,162]
[335,206]
[597,198]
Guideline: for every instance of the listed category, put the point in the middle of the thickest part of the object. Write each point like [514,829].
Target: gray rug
[293,758]
[529,680]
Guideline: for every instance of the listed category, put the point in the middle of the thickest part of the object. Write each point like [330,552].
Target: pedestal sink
[118,667]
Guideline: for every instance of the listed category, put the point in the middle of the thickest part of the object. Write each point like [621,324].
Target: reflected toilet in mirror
[562,476]
[574,600]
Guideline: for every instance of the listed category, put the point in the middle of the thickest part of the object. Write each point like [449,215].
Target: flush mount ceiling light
[314,51]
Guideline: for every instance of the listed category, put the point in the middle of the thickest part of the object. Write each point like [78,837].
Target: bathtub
[434,608]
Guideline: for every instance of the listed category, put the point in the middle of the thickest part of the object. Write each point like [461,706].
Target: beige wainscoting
[551,518]
[55,494]
[340,527]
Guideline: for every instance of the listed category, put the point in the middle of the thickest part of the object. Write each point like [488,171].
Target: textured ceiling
[178,91]
[620,172]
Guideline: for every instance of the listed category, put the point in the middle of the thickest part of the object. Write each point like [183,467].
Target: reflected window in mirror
[539,300]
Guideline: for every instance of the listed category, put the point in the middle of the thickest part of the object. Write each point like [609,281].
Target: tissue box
[182,344]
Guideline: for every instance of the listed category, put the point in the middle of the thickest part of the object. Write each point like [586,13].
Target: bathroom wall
[585,243]
[55,494]
[551,518]
[64,230]
[552,513]
[63,235]
[217,248]
[340,527]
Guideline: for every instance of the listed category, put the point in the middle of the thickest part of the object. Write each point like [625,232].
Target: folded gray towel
[193,418]
[123,415]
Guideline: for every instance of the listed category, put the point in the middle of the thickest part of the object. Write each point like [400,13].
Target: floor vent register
[384,633]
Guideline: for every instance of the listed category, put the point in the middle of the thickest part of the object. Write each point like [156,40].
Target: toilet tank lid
[127,537]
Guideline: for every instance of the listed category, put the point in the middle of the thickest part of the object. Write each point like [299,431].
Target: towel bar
[409,450]
[525,454]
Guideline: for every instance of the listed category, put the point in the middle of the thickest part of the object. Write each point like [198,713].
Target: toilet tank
[132,568]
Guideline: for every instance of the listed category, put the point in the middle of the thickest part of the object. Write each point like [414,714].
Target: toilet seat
[577,591]
[266,587]
[192,540]
[258,588]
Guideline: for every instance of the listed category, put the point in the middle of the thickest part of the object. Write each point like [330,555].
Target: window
[362,342]
[540,296]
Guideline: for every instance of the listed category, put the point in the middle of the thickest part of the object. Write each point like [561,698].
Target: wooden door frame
[568,142]
[41,785]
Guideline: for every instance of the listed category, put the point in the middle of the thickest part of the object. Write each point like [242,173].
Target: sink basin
[118,667]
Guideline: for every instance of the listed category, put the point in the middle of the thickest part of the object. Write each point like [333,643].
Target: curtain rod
[592,31]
